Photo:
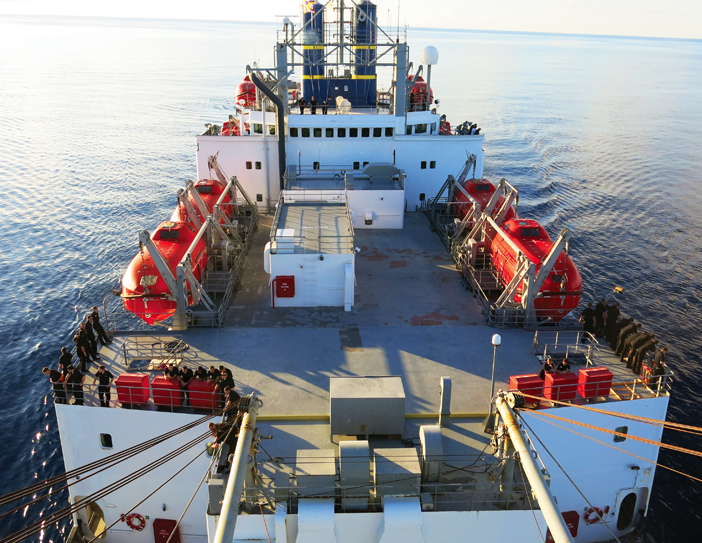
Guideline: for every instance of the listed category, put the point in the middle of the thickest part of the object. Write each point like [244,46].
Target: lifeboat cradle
[498,302]
[228,237]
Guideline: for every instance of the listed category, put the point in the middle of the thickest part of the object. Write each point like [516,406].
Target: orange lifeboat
[481,190]
[245,94]
[562,289]
[418,94]
[209,190]
[144,290]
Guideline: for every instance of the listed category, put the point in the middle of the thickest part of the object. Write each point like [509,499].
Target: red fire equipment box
[132,388]
[285,286]
[203,395]
[167,393]
[560,386]
[527,384]
[163,528]
[594,382]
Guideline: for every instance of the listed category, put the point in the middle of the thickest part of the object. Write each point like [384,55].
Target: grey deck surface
[411,318]
[318,227]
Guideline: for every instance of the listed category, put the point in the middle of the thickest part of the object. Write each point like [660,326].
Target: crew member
[600,312]
[55,378]
[90,331]
[302,105]
[90,337]
[105,379]
[325,106]
[634,345]
[185,376]
[83,349]
[564,366]
[611,321]
[621,324]
[170,373]
[99,330]
[231,396]
[201,373]
[66,358]
[75,382]
[313,106]
[587,318]
[547,367]
[640,354]
[213,375]
[623,334]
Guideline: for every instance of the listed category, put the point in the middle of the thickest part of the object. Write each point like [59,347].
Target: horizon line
[421,28]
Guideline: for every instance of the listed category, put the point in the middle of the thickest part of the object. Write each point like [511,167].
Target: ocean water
[97,125]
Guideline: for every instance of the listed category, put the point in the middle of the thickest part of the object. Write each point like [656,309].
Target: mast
[548,506]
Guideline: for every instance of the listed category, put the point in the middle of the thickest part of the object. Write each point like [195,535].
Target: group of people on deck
[548,367]
[625,338]
[313,106]
[67,379]
[221,379]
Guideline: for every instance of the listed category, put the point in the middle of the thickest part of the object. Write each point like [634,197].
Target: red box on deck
[132,388]
[594,382]
[560,386]
[527,384]
[203,395]
[167,393]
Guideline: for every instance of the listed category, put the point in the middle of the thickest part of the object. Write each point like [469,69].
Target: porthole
[621,430]
[106,441]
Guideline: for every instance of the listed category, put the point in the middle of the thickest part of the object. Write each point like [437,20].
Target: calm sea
[97,125]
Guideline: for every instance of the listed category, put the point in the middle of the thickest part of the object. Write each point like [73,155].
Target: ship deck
[411,318]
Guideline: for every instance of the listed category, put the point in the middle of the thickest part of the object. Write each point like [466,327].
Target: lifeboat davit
[144,290]
[209,190]
[245,94]
[562,289]
[418,94]
[481,190]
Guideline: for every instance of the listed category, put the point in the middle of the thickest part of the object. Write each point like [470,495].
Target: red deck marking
[398,264]
[432,319]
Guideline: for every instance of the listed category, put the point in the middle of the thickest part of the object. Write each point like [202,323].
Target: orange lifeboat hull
[209,190]
[562,290]
[144,291]
[481,190]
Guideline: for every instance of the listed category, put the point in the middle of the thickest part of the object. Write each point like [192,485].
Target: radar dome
[430,55]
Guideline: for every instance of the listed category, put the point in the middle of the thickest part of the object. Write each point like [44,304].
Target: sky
[654,18]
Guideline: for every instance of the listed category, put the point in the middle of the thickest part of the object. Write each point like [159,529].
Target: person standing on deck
[74,383]
[91,336]
[99,330]
[623,334]
[66,358]
[640,354]
[302,105]
[621,324]
[185,376]
[611,321]
[105,378]
[587,318]
[600,312]
[55,378]
[313,106]
[325,106]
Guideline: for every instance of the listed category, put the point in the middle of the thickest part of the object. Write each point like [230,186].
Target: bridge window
[409,130]
[330,132]
[305,132]
[432,164]
[356,165]
[424,164]
[365,132]
[317,132]
[377,132]
[258,128]
[353,132]
[621,430]
[106,441]
[340,132]
[388,132]
[420,129]
[271,129]
[315,165]
[293,132]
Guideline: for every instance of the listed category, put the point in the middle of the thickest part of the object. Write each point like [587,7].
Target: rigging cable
[599,514]
[99,494]
[668,425]
[623,451]
[620,434]
[122,455]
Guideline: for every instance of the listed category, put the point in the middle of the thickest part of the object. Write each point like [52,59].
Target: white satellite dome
[430,55]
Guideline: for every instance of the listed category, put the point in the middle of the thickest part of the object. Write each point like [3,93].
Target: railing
[181,400]
[577,346]
[444,496]
[312,245]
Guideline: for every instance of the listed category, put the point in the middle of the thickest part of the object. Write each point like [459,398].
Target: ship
[384,312]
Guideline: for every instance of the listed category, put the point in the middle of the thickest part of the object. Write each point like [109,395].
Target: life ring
[598,515]
[136,521]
